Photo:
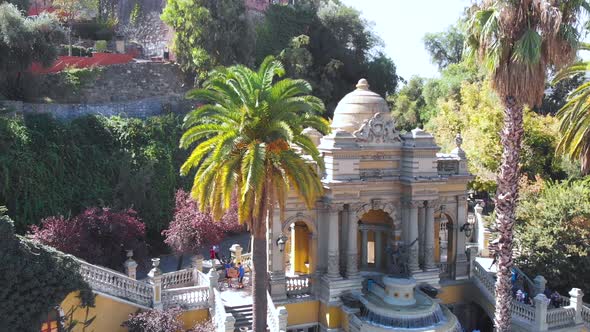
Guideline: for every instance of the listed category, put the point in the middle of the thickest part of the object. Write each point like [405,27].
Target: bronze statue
[399,260]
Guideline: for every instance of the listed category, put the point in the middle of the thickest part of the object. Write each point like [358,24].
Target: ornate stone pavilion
[383,192]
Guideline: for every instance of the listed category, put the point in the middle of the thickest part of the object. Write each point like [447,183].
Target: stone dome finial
[363,84]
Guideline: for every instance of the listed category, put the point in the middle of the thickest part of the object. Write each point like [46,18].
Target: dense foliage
[340,48]
[50,168]
[22,42]
[446,47]
[477,115]
[163,321]
[209,33]
[99,236]
[191,229]
[553,233]
[155,321]
[35,278]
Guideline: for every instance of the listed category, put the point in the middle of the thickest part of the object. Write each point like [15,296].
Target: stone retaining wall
[142,108]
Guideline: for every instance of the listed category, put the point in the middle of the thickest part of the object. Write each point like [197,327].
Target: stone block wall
[115,83]
[142,108]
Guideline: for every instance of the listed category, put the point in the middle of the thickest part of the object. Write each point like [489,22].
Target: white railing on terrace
[186,297]
[247,260]
[116,284]
[485,278]
[523,311]
[299,285]
[560,317]
[276,317]
[586,314]
[180,278]
[222,320]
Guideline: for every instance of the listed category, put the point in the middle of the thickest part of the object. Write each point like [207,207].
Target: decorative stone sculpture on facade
[379,129]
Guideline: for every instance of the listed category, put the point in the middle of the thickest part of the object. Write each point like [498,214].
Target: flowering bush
[154,321]
[192,230]
[206,326]
[97,235]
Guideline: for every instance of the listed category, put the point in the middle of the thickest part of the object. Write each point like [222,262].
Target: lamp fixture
[306,264]
[281,242]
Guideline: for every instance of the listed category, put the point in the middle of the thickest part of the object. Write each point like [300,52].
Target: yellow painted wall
[302,244]
[110,314]
[191,318]
[302,313]
[457,293]
[330,317]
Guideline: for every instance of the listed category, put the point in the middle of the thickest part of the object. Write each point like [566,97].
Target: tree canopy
[35,278]
[445,47]
[22,42]
[209,33]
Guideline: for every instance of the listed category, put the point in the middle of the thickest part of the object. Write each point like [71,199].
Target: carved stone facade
[383,191]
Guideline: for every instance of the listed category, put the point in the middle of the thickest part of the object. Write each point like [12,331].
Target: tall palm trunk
[259,270]
[511,137]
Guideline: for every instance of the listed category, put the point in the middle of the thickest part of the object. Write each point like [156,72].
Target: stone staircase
[242,315]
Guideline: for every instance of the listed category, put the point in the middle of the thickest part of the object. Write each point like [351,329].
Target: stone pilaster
[364,255]
[333,239]
[413,264]
[352,253]
[429,263]
[378,249]
[421,226]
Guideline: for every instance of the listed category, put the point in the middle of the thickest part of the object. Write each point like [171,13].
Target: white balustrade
[586,314]
[180,278]
[276,317]
[116,284]
[186,297]
[485,278]
[299,285]
[523,311]
[247,260]
[202,279]
[560,317]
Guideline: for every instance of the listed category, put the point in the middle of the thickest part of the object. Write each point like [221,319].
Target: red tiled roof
[97,59]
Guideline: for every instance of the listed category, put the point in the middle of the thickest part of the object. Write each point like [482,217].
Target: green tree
[209,33]
[22,42]
[516,41]
[247,143]
[342,45]
[22,5]
[446,47]
[575,115]
[553,232]
[409,105]
[36,279]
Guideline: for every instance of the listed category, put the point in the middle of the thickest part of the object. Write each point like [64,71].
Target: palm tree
[250,142]
[516,41]
[575,115]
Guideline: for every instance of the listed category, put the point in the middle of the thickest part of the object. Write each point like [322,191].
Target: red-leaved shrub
[97,235]
[192,230]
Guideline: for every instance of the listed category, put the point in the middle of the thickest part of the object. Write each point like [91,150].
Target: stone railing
[523,311]
[247,260]
[529,285]
[276,317]
[201,278]
[224,322]
[180,278]
[560,317]
[116,284]
[186,297]
[586,314]
[487,281]
[299,285]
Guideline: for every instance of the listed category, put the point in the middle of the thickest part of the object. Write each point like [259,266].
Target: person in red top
[212,254]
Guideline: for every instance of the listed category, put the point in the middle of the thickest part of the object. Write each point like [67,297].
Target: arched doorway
[375,236]
[444,250]
[299,249]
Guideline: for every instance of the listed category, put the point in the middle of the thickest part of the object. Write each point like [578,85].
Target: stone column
[333,237]
[378,248]
[421,224]
[413,236]
[461,257]
[155,276]
[236,251]
[576,302]
[364,240]
[197,265]
[130,265]
[541,303]
[352,253]
[429,237]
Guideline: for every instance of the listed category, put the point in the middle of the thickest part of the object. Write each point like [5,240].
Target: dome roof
[356,107]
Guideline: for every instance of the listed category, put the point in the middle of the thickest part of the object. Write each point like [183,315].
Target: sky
[402,24]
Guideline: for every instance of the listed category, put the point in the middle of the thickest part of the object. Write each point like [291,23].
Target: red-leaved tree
[191,230]
[98,235]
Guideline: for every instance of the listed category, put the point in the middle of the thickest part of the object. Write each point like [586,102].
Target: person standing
[216,249]
[241,273]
